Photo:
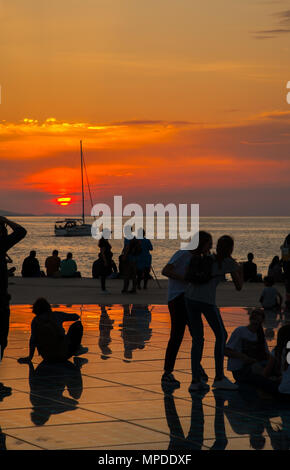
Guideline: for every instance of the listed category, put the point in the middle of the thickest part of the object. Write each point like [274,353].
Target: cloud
[283,19]
[143,158]
[276,115]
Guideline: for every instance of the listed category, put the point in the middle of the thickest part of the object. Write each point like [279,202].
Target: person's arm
[32,346]
[280,301]
[238,355]
[104,257]
[38,267]
[169,271]
[267,372]
[255,269]
[67,316]
[233,347]
[18,233]
[237,277]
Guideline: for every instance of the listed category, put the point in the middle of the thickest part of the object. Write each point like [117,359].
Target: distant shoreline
[75,216]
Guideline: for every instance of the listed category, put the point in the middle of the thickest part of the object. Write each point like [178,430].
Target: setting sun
[64,201]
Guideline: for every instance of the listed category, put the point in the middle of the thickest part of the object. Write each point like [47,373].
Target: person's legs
[146,276]
[194,311]
[213,317]
[103,282]
[139,278]
[177,310]
[126,275]
[74,335]
[133,276]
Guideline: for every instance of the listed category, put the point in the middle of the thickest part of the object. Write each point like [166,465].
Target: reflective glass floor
[111,398]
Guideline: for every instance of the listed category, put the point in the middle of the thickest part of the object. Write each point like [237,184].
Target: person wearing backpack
[204,274]
[48,335]
[132,249]
[175,270]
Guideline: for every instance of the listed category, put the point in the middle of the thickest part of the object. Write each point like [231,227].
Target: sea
[262,236]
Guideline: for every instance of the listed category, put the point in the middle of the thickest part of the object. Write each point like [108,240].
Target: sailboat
[74,227]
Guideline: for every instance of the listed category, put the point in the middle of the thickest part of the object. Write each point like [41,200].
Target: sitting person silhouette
[30,266]
[68,267]
[271,299]
[250,270]
[48,335]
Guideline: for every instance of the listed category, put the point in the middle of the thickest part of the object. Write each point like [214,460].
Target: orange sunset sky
[177,101]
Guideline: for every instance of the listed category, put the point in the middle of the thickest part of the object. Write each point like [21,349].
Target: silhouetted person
[275,269]
[7,241]
[30,266]
[249,354]
[52,264]
[68,267]
[144,260]
[285,249]
[131,251]
[175,270]
[49,337]
[271,299]
[204,273]
[250,269]
[105,262]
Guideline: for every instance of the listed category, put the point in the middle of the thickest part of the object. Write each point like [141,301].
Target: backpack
[199,270]
[51,341]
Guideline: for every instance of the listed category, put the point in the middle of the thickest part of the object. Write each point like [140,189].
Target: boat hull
[79,231]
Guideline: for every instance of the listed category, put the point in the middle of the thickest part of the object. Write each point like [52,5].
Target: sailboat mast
[83,197]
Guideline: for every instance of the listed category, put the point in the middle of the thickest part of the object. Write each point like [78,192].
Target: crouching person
[48,335]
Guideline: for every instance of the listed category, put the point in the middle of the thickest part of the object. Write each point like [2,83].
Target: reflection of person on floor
[4,392]
[280,434]
[47,385]
[135,329]
[244,412]
[49,337]
[178,441]
[105,326]
[272,322]
[219,420]
[195,437]
[249,415]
